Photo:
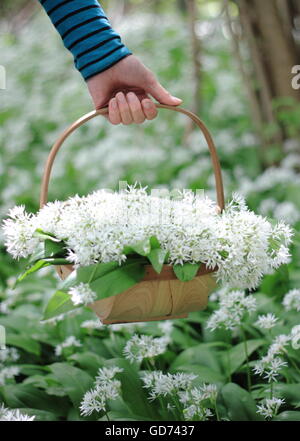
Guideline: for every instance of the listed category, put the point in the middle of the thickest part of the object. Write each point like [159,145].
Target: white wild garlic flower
[295,337]
[82,294]
[7,373]
[144,346]
[291,300]
[70,341]
[106,388]
[269,407]
[233,308]
[14,415]
[161,384]
[266,321]
[242,246]
[9,355]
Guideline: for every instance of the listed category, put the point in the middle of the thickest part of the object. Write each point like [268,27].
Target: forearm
[86,32]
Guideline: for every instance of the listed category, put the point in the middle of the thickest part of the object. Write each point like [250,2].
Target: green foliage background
[45,94]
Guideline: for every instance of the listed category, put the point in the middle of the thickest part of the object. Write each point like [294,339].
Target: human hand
[124,88]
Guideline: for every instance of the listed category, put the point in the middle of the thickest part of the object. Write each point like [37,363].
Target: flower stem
[247,359]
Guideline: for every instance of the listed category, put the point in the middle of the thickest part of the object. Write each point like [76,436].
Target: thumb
[162,95]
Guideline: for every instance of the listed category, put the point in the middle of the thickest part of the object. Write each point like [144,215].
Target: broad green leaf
[118,280]
[23,342]
[187,271]
[205,374]
[290,415]
[28,396]
[75,382]
[54,248]
[157,258]
[202,354]
[42,264]
[154,242]
[45,236]
[88,361]
[290,392]
[143,247]
[59,303]
[239,403]
[87,274]
[235,357]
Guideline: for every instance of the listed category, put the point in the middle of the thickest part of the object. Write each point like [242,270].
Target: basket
[158,296]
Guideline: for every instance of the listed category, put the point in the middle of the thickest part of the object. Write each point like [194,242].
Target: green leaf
[45,236]
[88,361]
[290,415]
[235,357]
[239,403]
[42,263]
[143,247]
[157,258]
[204,373]
[187,271]
[118,280]
[154,242]
[202,354]
[27,396]
[54,248]
[290,392]
[59,303]
[23,342]
[75,382]
[87,274]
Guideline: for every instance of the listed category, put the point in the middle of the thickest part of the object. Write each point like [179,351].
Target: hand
[125,88]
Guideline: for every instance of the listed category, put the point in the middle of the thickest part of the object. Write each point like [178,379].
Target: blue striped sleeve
[87,33]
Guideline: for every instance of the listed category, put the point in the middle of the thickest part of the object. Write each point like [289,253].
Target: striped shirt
[87,33]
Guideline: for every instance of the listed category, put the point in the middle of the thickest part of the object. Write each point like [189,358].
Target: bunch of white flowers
[195,401]
[266,321]
[13,415]
[145,346]
[291,300]
[241,245]
[106,388]
[269,407]
[161,384]
[233,308]
[271,364]
[7,373]
[70,341]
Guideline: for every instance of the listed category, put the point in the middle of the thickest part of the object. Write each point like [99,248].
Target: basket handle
[103,111]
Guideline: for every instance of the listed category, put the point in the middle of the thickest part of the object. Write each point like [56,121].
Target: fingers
[161,94]
[130,109]
[149,108]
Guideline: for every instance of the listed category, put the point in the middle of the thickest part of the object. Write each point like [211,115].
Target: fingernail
[175,98]
[121,97]
[113,103]
[147,104]
[130,96]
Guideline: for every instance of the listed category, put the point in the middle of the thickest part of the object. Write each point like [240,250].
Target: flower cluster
[292,300]
[241,245]
[233,308]
[145,346]
[70,341]
[269,407]
[266,321]
[14,415]
[106,387]
[195,402]
[82,294]
[271,364]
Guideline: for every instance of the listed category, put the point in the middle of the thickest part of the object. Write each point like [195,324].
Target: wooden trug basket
[158,296]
